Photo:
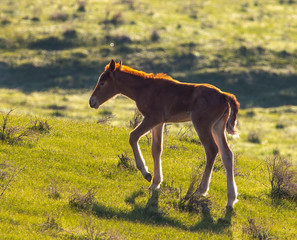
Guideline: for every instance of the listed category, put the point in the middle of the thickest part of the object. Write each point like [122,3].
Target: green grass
[247,48]
[75,157]
[51,54]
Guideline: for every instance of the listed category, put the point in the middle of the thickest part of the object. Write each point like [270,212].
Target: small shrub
[170,189]
[40,126]
[7,175]
[50,226]
[194,14]
[5,169]
[155,36]
[4,21]
[35,19]
[256,231]
[105,119]
[81,5]
[53,191]
[70,33]
[250,113]
[187,133]
[193,202]
[254,137]
[137,118]
[126,163]
[280,126]
[83,202]
[282,177]
[122,39]
[276,152]
[286,1]
[59,16]
[92,231]
[13,135]
[117,18]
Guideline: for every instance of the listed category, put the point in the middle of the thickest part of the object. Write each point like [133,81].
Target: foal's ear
[112,65]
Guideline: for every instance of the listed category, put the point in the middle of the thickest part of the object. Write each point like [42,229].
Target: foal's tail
[234,105]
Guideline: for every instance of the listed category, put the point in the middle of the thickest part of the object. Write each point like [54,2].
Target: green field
[60,169]
[52,168]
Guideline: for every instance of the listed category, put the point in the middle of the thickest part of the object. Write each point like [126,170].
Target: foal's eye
[101,83]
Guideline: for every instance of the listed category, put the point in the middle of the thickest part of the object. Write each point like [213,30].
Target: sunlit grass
[73,105]
[77,157]
[247,48]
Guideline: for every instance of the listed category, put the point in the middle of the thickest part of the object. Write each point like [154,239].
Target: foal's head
[105,88]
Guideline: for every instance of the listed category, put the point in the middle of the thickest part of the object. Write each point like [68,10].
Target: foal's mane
[142,74]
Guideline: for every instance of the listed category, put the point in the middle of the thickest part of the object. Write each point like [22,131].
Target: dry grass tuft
[81,201]
[256,231]
[53,191]
[13,135]
[50,225]
[282,177]
[40,126]
[193,202]
[59,16]
[137,118]
[126,163]
[254,137]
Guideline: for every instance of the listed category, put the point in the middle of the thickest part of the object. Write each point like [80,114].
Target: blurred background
[52,52]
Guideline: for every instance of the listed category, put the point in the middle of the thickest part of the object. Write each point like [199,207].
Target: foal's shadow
[153,215]
[148,214]
[208,223]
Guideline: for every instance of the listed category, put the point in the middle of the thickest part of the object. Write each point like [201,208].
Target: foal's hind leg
[211,151]
[227,158]
[157,141]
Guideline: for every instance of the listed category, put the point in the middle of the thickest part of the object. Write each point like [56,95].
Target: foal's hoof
[230,204]
[148,177]
[154,186]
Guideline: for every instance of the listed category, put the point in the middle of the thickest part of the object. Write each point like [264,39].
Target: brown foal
[161,99]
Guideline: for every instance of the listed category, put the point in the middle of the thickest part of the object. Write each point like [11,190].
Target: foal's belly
[178,117]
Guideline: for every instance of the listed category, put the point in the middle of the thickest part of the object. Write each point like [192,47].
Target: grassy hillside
[68,183]
[60,171]
[248,48]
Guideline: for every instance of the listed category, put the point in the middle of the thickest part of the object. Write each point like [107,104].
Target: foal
[161,99]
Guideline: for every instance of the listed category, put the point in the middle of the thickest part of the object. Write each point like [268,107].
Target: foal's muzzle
[93,102]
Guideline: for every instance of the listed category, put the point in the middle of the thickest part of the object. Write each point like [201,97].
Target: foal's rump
[213,105]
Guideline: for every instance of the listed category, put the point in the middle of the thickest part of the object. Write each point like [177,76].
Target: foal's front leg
[139,131]
[157,142]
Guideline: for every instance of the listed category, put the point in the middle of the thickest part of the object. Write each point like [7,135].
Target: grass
[238,47]
[71,174]
[67,176]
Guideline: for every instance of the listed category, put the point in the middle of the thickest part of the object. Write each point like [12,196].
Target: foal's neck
[131,85]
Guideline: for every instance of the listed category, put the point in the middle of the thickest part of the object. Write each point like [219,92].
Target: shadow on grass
[63,74]
[150,214]
[253,88]
[209,224]
[153,215]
